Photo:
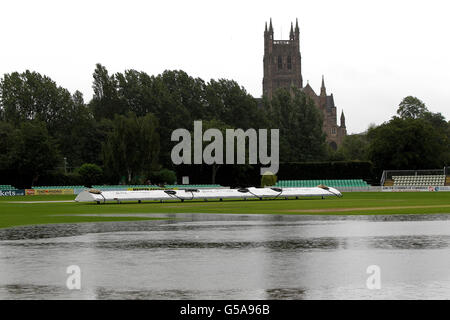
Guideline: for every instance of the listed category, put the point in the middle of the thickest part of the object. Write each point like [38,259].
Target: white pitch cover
[205,194]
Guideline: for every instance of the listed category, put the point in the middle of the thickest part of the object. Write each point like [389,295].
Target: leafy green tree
[73,137]
[90,174]
[7,143]
[105,102]
[34,153]
[30,96]
[418,139]
[91,138]
[300,124]
[231,104]
[268,179]
[132,148]
[171,110]
[176,99]
[138,92]
[411,108]
[437,120]
[354,147]
[186,92]
[407,144]
[164,176]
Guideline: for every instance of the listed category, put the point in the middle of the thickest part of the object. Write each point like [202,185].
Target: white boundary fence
[359,189]
[415,189]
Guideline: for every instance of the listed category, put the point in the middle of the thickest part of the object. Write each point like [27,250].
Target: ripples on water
[200,256]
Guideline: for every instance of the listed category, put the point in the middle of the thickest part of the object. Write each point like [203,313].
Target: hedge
[249,175]
[327,170]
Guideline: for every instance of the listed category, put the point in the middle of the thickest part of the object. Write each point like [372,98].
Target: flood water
[209,256]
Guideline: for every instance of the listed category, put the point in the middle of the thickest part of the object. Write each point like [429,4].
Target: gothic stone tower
[283,69]
[325,103]
[282,61]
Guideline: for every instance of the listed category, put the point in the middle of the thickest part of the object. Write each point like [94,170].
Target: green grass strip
[16,211]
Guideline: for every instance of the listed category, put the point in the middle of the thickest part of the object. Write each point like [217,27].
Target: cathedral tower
[283,69]
[282,61]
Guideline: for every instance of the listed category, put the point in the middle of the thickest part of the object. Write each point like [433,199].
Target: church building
[283,69]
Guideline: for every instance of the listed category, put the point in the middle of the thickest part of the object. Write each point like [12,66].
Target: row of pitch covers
[98,196]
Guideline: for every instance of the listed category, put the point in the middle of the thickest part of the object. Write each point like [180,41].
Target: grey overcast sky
[372,53]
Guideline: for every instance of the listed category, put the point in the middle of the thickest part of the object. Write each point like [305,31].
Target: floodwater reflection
[209,256]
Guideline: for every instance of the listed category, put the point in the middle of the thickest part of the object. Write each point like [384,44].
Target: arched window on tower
[280,63]
[289,62]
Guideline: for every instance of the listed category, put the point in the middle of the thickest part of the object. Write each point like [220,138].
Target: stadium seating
[124,187]
[193,186]
[343,183]
[419,180]
[121,187]
[58,187]
[171,186]
[7,187]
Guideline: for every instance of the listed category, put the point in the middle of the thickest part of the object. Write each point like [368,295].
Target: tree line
[415,138]
[123,134]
